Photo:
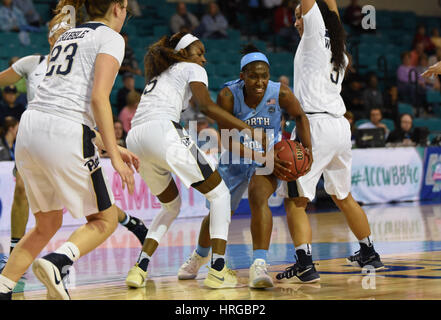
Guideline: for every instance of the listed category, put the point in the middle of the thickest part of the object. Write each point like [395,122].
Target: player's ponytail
[337,34]
[60,15]
[161,55]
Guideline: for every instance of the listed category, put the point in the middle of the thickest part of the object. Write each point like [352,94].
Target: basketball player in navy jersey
[257,101]
[320,63]
[33,69]
[56,150]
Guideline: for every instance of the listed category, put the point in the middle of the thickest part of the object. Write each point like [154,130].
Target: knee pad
[164,219]
[220,211]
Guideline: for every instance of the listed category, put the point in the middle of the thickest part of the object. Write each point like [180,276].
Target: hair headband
[186,41]
[58,26]
[252,57]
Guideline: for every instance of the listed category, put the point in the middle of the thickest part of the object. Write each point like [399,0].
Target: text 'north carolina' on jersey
[317,84]
[66,90]
[167,95]
[266,115]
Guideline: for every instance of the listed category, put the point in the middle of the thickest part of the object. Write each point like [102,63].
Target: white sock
[367,241]
[6,285]
[69,249]
[143,256]
[305,247]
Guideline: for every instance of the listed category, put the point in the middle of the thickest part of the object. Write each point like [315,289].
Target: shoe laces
[289,272]
[261,268]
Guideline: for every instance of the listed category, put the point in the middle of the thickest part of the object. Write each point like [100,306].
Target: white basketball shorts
[331,150]
[60,165]
[164,147]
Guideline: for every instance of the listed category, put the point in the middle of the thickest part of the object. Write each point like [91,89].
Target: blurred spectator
[416,53]
[353,16]
[8,134]
[28,9]
[231,8]
[283,22]
[352,96]
[129,64]
[391,103]
[213,24]
[183,20]
[405,78]
[436,57]
[284,80]
[403,135]
[375,121]
[421,37]
[11,17]
[372,96]
[350,117]
[134,8]
[129,85]
[120,134]
[436,39]
[9,107]
[127,113]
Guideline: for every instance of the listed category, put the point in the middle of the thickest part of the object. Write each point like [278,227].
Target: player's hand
[126,174]
[129,158]
[281,170]
[433,70]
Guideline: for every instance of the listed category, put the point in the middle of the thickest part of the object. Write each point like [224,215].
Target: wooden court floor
[408,237]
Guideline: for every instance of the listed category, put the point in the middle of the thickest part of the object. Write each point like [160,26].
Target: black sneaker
[51,271]
[360,261]
[6,296]
[306,274]
[138,228]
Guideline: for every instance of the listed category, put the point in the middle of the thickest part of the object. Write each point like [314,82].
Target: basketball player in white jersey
[55,153]
[33,69]
[319,67]
[175,74]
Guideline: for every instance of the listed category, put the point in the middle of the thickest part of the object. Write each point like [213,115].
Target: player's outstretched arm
[307,5]
[8,77]
[433,70]
[289,102]
[106,69]
[225,119]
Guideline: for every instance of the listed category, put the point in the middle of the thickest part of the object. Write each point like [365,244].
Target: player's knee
[48,227]
[173,207]
[220,192]
[300,202]
[19,191]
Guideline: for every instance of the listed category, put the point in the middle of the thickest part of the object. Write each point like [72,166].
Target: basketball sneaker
[226,278]
[189,270]
[306,274]
[259,277]
[49,271]
[138,228]
[136,277]
[360,261]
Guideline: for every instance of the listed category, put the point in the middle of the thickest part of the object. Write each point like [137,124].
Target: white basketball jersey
[33,69]
[67,87]
[317,84]
[167,95]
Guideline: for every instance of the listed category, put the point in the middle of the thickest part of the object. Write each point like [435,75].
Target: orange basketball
[295,153]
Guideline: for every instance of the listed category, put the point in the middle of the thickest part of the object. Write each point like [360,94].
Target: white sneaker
[189,270]
[259,277]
